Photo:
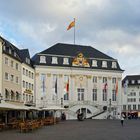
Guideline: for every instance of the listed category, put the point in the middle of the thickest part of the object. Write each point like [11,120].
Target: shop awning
[8,106]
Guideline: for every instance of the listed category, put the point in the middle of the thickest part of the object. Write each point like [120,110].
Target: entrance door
[83,110]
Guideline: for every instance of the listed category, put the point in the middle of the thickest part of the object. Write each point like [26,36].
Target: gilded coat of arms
[80,61]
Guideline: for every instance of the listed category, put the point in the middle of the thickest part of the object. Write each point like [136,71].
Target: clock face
[81,78]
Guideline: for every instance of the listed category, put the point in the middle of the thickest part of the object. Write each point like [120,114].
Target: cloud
[112,26]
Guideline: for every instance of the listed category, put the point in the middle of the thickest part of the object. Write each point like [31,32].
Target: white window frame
[54,60]
[94,63]
[114,65]
[42,59]
[6,76]
[104,64]
[65,61]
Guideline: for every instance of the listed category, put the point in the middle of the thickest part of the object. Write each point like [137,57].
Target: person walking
[122,119]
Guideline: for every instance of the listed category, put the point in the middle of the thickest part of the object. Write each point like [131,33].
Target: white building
[79,78]
[131,94]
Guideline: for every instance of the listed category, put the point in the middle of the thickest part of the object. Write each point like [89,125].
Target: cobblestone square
[80,130]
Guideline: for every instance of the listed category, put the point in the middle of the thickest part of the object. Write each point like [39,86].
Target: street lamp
[109,107]
[1,97]
[61,102]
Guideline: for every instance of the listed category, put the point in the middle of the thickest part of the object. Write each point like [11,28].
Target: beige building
[27,82]
[17,74]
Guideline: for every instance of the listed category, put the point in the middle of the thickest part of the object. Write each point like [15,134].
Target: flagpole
[74,31]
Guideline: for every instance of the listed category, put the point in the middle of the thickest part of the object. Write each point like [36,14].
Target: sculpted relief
[80,61]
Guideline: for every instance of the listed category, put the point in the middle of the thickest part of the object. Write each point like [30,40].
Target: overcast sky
[111,26]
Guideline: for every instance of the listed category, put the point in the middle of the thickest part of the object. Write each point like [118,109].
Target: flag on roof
[72,24]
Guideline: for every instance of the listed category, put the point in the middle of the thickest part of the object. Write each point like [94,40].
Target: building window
[26,85]
[7,96]
[134,107]
[10,51]
[32,76]
[124,107]
[16,66]
[23,84]
[12,78]
[17,96]
[43,84]
[23,71]
[4,47]
[113,95]
[104,95]
[12,95]
[94,79]
[12,63]
[94,63]
[129,107]
[94,97]
[32,87]
[114,80]
[6,76]
[15,54]
[27,60]
[65,61]
[23,97]
[138,81]
[104,79]
[133,81]
[138,107]
[104,64]
[114,65]
[6,60]
[42,59]
[26,72]
[54,60]
[80,94]
[29,74]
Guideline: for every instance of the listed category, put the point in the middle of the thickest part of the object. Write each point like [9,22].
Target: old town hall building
[78,78]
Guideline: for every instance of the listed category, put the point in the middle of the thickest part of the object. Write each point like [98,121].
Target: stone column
[73,96]
[38,89]
[60,88]
[49,88]
[89,88]
[99,91]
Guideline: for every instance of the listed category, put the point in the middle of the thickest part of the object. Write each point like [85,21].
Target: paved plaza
[80,130]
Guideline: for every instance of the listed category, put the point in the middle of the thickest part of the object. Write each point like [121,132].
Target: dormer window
[54,60]
[104,64]
[42,59]
[94,63]
[65,61]
[114,65]
[15,54]
[4,47]
[10,51]
[27,60]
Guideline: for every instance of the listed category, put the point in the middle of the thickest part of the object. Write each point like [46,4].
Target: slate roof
[130,78]
[20,54]
[73,50]
[70,51]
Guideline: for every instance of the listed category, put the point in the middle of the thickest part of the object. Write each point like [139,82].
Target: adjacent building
[13,61]
[79,78]
[131,94]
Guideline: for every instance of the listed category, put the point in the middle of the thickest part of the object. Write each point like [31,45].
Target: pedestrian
[122,119]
